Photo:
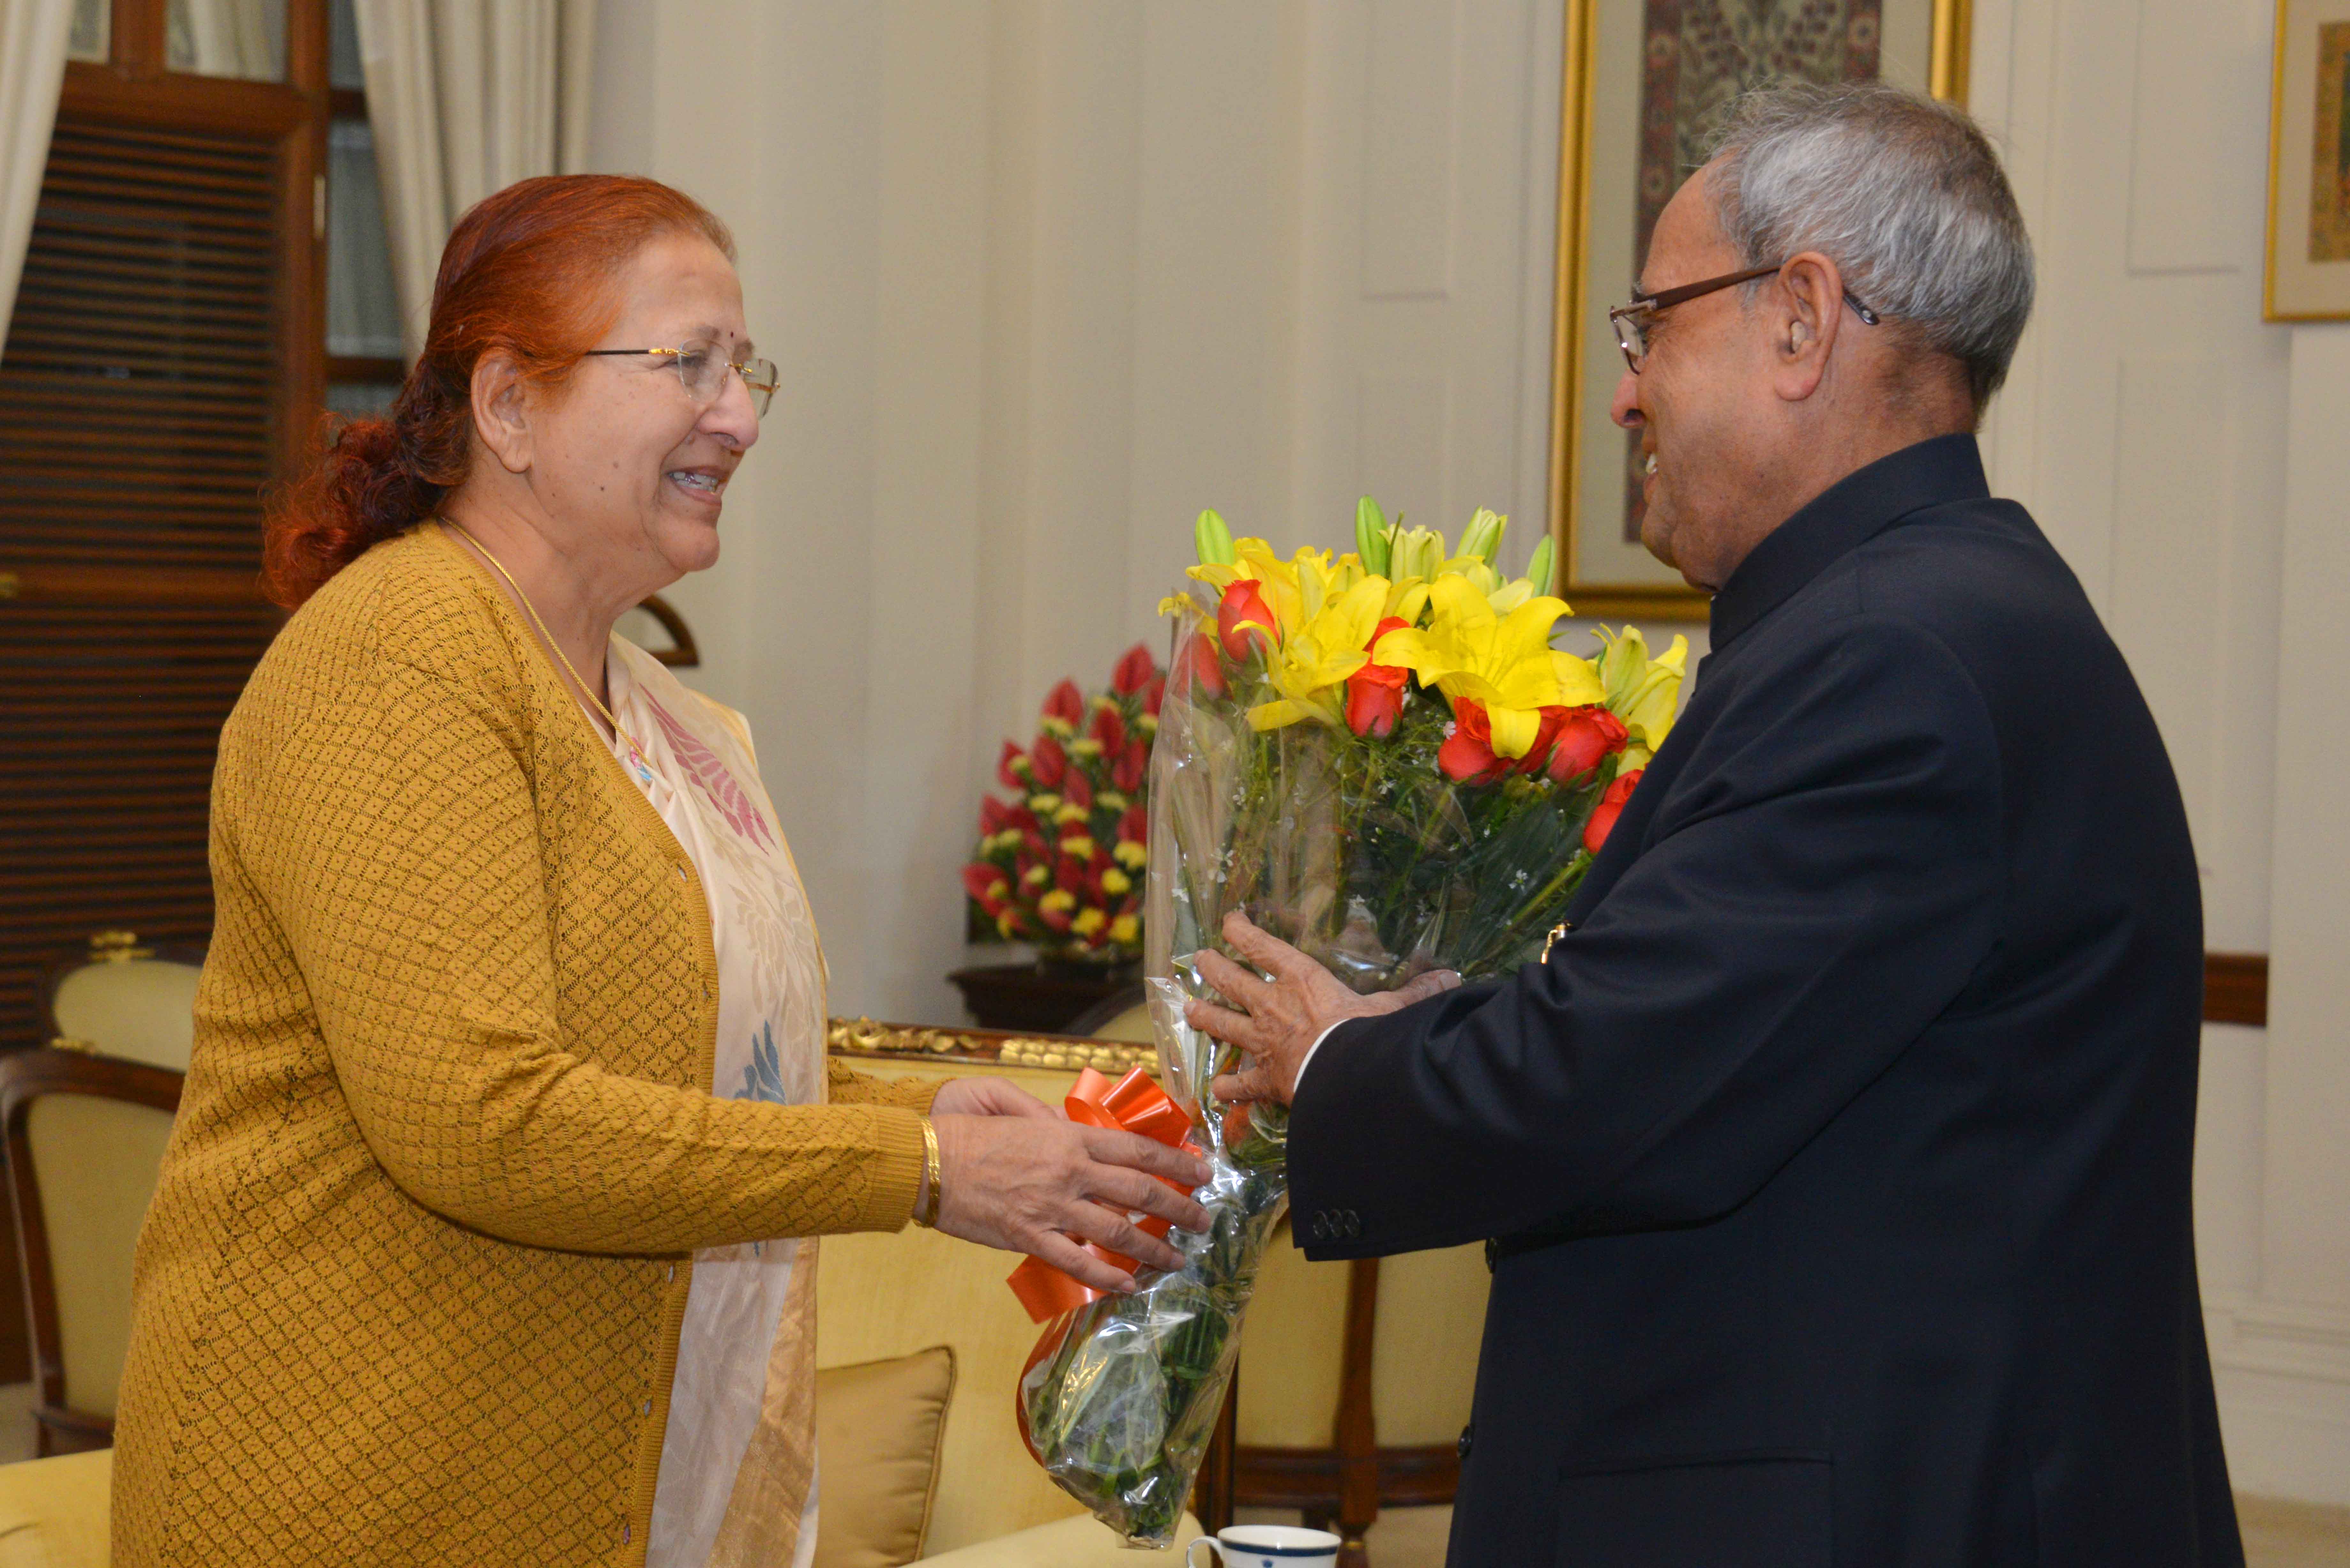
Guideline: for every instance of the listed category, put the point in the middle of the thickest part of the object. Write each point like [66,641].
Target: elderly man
[1836,1157]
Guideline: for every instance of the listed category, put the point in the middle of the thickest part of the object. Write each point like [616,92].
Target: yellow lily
[1503,663]
[1643,691]
[1315,663]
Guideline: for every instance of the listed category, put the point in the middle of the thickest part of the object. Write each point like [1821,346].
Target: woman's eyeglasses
[1631,321]
[702,368]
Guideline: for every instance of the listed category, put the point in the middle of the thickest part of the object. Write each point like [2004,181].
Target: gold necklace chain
[548,637]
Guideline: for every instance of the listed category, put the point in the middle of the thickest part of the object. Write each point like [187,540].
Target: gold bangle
[926,1214]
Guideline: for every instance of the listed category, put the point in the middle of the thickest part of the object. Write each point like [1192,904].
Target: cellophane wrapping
[1361,852]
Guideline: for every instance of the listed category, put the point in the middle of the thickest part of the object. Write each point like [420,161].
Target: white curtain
[467,97]
[245,38]
[33,36]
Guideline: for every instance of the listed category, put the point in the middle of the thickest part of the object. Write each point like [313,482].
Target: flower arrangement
[1059,866]
[1382,760]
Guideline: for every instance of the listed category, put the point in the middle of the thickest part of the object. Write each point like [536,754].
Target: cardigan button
[680,872]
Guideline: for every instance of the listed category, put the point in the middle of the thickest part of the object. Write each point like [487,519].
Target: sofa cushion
[53,1512]
[877,1430]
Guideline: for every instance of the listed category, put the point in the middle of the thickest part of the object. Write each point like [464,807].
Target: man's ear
[502,410]
[1805,314]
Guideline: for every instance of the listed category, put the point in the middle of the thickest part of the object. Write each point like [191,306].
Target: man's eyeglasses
[1631,321]
[702,368]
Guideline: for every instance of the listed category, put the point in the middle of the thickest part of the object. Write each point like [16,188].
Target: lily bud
[1539,569]
[1212,540]
[1371,537]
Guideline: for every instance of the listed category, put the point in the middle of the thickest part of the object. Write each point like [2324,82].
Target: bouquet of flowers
[1058,865]
[1381,760]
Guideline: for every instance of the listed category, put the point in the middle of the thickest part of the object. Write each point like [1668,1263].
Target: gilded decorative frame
[1951,35]
[2300,307]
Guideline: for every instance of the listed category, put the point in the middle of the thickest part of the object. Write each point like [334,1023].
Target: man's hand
[1283,1017]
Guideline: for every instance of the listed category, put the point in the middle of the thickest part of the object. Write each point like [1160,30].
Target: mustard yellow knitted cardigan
[410,1287]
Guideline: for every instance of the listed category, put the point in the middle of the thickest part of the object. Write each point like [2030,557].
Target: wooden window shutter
[138,428]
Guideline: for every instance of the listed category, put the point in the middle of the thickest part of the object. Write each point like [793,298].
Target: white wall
[1046,276]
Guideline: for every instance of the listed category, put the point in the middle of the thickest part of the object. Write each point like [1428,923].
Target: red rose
[1108,729]
[983,882]
[1153,694]
[1585,736]
[1021,817]
[1199,668]
[1012,768]
[1135,668]
[1076,791]
[1134,827]
[1069,876]
[1133,765]
[1065,704]
[993,815]
[1048,761]
[1375,692]
[1611,806]
[1468,757]
[1244,622]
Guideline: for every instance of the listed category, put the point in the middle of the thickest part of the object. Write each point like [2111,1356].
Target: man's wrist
[1307,1060]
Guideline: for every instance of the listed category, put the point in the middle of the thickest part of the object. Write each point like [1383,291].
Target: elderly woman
[486,1235]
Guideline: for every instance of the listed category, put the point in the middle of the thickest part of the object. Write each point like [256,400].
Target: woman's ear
[502,410]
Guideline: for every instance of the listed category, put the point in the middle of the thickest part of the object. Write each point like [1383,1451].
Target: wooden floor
[2276,1534]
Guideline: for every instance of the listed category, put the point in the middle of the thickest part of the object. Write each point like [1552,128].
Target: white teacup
[1266,1546]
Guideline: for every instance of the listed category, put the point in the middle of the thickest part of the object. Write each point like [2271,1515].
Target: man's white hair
[1903,193]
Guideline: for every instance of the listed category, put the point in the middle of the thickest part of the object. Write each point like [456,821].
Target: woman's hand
[1042,1185]
[991,1098]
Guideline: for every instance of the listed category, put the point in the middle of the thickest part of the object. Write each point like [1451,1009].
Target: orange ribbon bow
[1135,1104]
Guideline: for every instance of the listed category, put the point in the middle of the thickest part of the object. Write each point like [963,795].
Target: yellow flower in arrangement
[1088,922]
[1310,667]
[1130,854]
[1644,693]
[1126,930]
[1503,663]
[1115,882]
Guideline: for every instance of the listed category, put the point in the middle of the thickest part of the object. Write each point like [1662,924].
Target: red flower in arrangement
[1048,761]
[1244,622]
[1064,705]
[1469,757]
[1133,767]
[1135,668]
[1610,807]
[1573,741]
[1066,878]
[1197,666]
[1375,692]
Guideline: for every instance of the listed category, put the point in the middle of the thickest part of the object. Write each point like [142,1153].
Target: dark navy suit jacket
[1839,1154]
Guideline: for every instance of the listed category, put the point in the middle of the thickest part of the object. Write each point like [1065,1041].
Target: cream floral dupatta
[738,1467]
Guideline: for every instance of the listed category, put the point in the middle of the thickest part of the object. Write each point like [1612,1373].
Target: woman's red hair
[529,272]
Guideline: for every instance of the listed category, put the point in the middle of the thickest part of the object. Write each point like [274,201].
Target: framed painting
[1646,84]
[2309,164]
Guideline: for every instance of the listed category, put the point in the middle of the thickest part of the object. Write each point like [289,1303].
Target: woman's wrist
[928,1196]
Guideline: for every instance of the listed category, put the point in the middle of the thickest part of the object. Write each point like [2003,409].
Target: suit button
[1468,1440]
[1320,1228]
[1492,1253]
[1354,1224]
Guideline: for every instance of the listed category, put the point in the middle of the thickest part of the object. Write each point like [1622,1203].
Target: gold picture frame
[1609,582]
[2306,271]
